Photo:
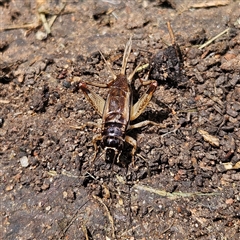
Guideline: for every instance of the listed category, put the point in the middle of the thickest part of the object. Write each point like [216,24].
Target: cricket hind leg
[142,103]
[97,101]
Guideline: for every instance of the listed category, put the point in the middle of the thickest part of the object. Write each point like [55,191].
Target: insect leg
[145,123]
[95,139]
[96,101]
[142,103]
[89,124]
[132,142]
[101,85]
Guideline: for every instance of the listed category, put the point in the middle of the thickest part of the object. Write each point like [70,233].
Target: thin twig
[108,214]
[168,228]
[72,220]
[237,22]
[173,195]
[55,16]
[85,231]
[213,39]
[171,33]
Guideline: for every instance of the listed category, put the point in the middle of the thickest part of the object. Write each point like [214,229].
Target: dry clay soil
[185,181]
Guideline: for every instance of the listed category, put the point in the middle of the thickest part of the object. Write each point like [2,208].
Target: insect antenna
[126,55]
[171,33]
[109,68]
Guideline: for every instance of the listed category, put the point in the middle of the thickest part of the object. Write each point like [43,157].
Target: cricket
[118,110]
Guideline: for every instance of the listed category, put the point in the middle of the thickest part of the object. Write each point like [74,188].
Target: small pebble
[41,35]
[66,84]
[229,201]
[171,213]
[24,161]
[9,187]
[1,122]
[48,208]
[45,186]
[65,194]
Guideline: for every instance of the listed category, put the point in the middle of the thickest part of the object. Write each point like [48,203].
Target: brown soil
[185,183]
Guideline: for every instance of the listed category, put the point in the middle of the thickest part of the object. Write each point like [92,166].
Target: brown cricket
[117,111]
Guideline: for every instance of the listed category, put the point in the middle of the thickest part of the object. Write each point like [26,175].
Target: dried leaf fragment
[214,141]
[212,3]
[230,166]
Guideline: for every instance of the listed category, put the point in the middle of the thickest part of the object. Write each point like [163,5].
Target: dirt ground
[185,181]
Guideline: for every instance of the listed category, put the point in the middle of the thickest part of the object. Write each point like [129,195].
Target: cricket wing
[96,101]
[117,107]
[142,103]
